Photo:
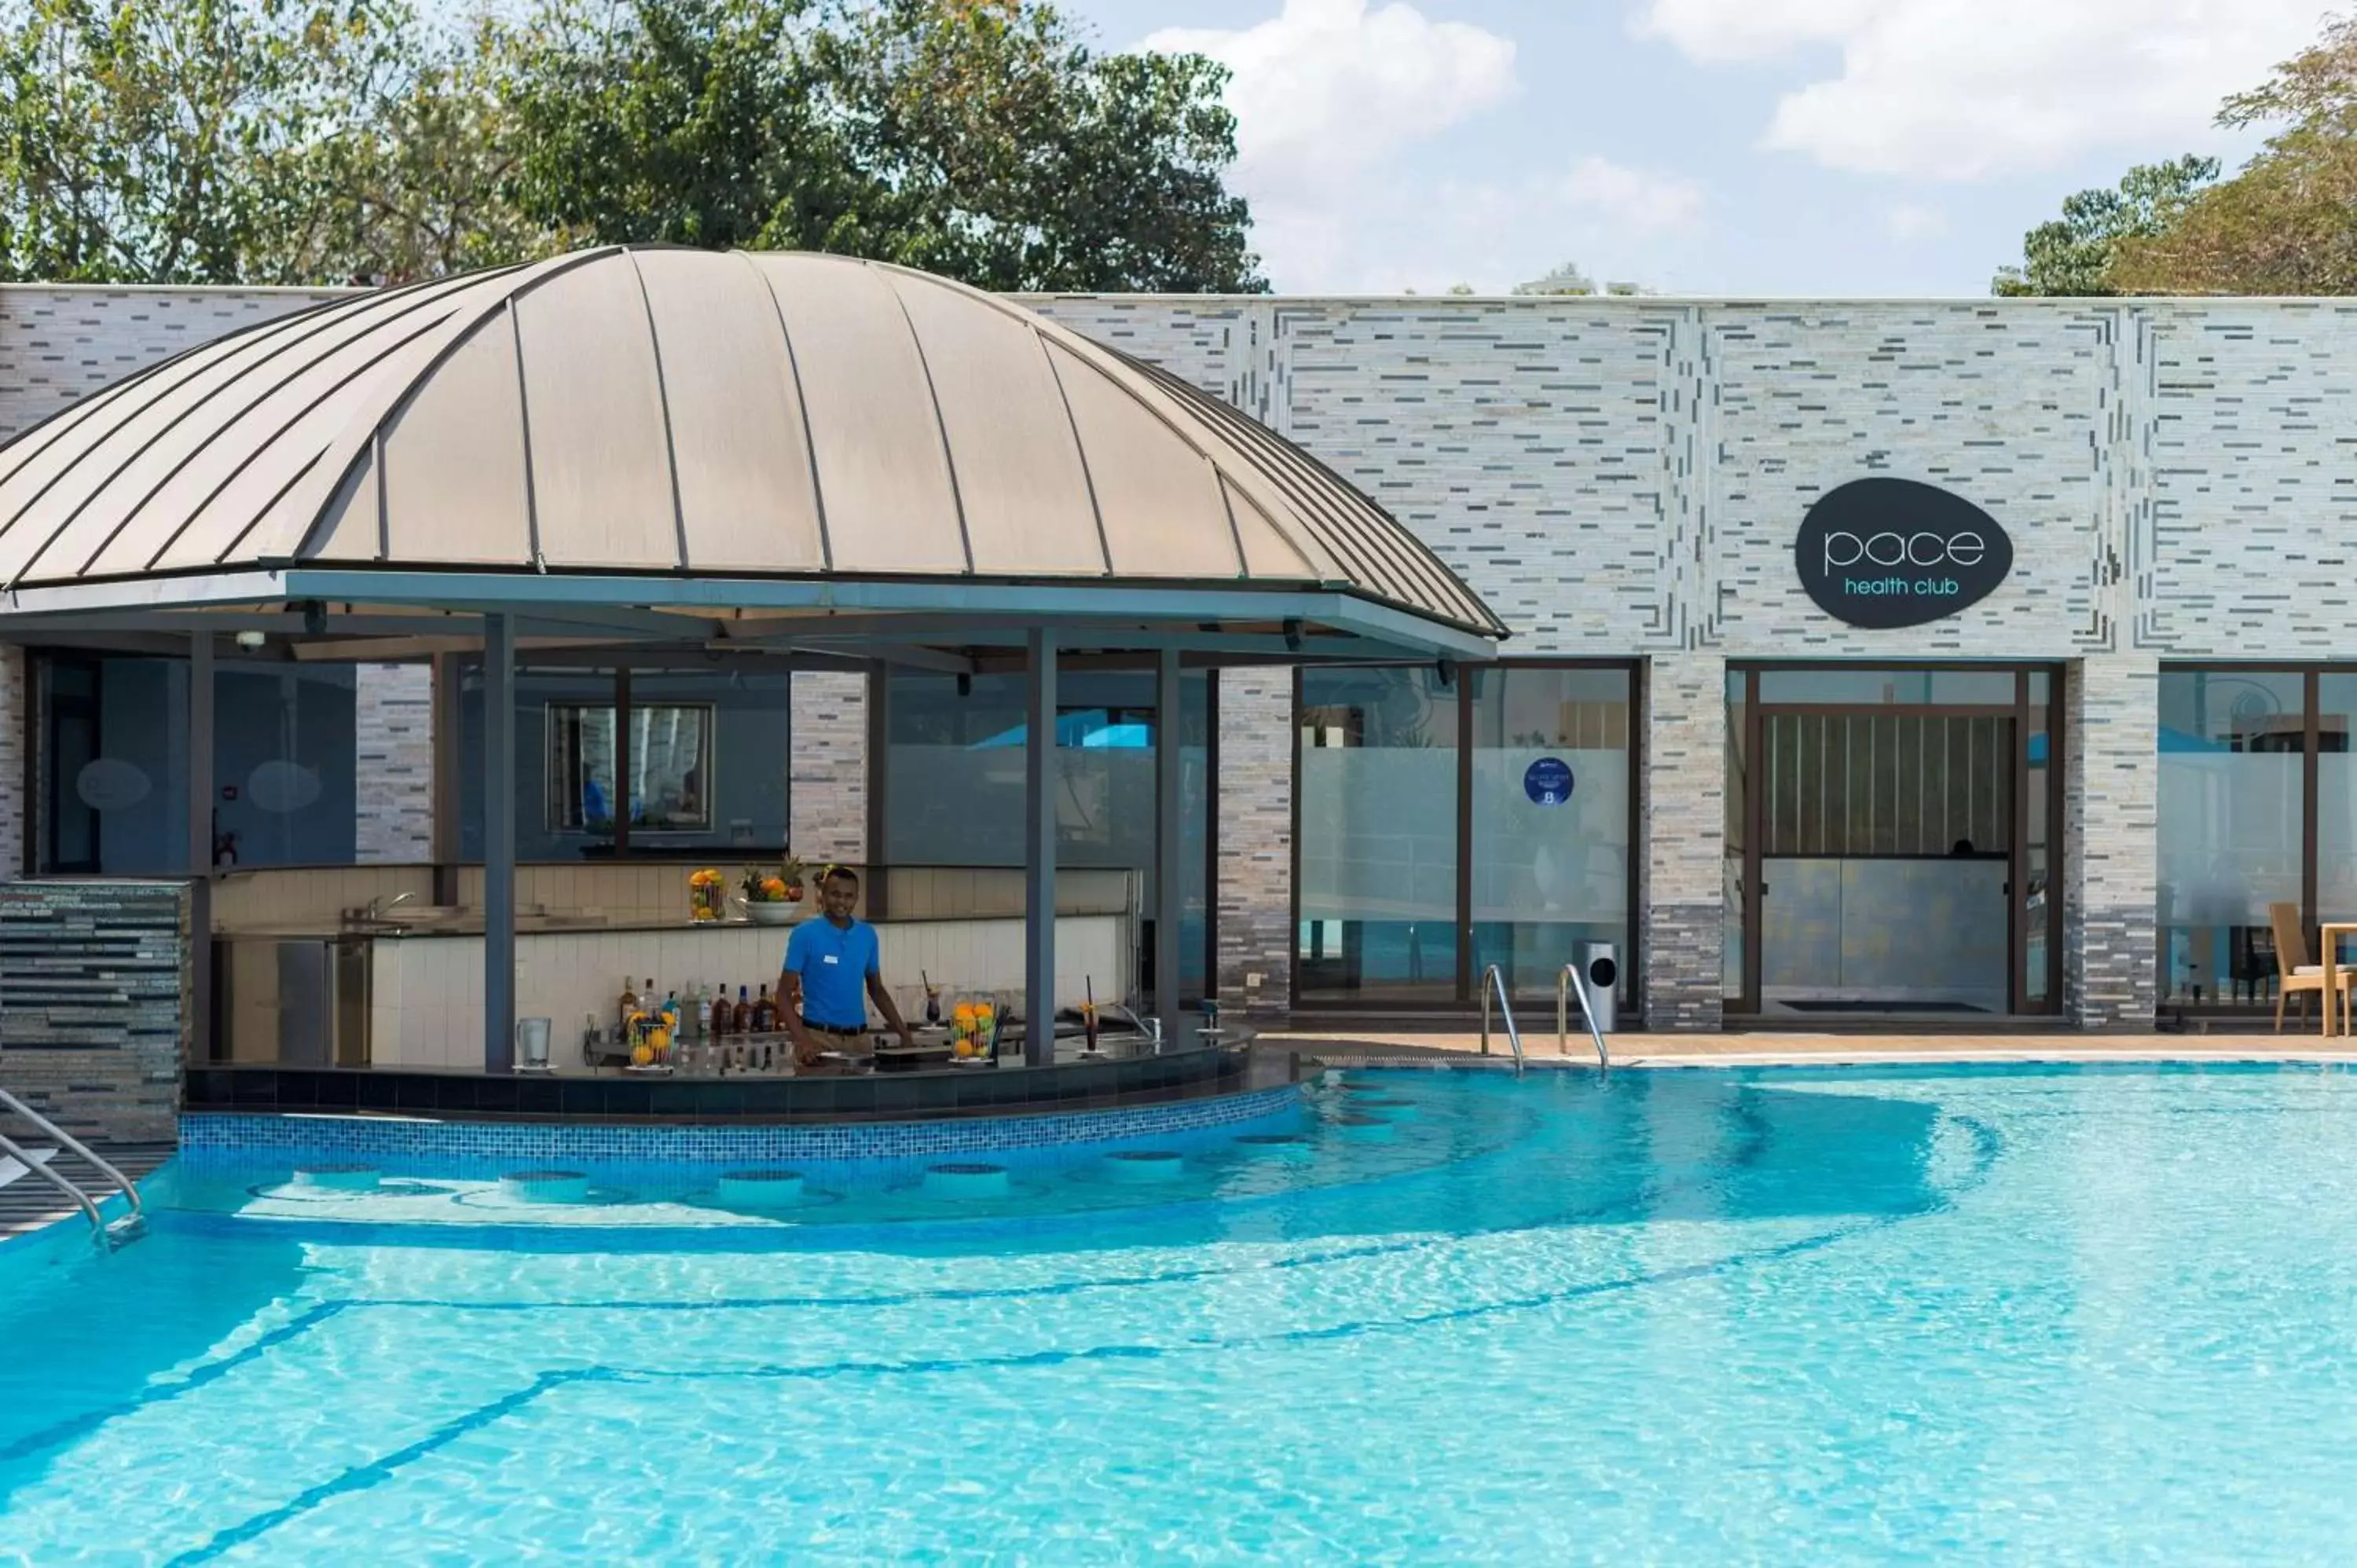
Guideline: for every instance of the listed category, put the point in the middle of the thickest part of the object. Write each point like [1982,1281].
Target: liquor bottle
[715,1014]
[1089,1017]
[740,1019]
[672,1015]
[765,1015]
[629,1004]
[933,1000]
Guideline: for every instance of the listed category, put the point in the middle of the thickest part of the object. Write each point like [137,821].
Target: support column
[1681,893]
[2111,834]
[199,1032]
[1169,881]
[1040,855]
[448,696]
[499,844]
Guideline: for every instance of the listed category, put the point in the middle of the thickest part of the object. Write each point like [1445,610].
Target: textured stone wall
[394,723]
[58,344]
[2110,839]
[16,695]
[1682,913]
[1253,877]
[1624,479]
[828,783]
[94,983]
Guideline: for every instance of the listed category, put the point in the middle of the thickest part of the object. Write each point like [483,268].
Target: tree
[2075,254]
[2287,223]
[1568,280]
[681,122]
[426,183]
[1016,158]
[307,141]
[160,140]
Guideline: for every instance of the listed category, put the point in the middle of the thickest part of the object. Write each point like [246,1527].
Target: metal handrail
[51,1130]
[1563,985]
[24,1157]
[1493,983]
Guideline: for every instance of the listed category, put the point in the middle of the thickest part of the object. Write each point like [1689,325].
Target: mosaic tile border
[226,1138]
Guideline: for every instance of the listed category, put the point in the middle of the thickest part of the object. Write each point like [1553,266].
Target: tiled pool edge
[224,1138]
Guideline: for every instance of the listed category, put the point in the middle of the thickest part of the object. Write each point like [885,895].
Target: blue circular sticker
[1548,781]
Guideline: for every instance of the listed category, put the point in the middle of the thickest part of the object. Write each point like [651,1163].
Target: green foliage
[167,142]
[2074,253]
[1565,280]
[1007,154]
[322,141]
[2287,223]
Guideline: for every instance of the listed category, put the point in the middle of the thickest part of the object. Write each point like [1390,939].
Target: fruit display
[707,895]
[974,1029]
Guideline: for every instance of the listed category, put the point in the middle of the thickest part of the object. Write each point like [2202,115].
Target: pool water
[2048,1315]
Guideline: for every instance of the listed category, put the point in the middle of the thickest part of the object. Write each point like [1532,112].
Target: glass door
[1891,841]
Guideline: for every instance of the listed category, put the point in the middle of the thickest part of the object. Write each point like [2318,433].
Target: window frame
[1633,961]
[625,712]
[2311,675]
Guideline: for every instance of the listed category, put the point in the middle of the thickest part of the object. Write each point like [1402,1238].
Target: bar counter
[409,997]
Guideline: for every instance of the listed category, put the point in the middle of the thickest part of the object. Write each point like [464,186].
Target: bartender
[830,972]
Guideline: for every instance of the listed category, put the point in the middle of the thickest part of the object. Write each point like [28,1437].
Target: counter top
[471,924]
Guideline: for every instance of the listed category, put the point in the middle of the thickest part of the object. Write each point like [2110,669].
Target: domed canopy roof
[688,419]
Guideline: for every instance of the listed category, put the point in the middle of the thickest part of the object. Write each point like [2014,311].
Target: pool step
[28,1204]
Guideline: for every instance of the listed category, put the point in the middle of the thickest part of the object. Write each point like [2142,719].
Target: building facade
[1921,659]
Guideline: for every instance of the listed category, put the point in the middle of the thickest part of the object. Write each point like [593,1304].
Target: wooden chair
[2293,972]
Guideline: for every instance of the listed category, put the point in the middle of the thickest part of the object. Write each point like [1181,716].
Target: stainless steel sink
[400,919]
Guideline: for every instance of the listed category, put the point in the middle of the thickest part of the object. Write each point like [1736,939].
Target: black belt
[840,1031]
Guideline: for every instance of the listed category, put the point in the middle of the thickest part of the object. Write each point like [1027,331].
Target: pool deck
[1775,1049]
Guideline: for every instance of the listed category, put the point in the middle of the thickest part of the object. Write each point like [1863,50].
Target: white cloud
[1967,89]
[1487,234]
[1330,95]
[1909,221]
[1325,89]
[1638,202]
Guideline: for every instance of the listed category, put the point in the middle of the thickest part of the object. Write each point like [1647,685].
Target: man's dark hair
[839,873]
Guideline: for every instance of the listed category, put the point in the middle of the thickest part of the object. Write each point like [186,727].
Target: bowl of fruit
[774,897]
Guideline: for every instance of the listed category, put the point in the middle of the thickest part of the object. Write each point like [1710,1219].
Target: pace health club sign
[1883,553]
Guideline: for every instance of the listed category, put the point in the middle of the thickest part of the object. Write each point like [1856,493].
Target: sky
[1824,147]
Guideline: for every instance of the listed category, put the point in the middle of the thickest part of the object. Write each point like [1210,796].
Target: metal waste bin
[532,1045]
[1599,967]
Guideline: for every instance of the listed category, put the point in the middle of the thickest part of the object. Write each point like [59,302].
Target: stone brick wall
[394,719]
[15,695]
[1682,914]
[60,343]
[94,983]
[1253,878]
[1624,479]
[827,789]
[2110,841]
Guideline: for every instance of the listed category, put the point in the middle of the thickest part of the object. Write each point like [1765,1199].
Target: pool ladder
[1493,986]
[1563,985]
[130,1226]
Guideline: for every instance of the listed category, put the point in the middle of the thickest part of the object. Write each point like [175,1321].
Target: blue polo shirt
[833,962]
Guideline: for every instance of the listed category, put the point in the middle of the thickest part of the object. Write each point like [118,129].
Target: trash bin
[532,1045]
[1599,966]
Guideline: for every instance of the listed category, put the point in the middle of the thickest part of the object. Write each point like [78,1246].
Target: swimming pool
[1838,1314]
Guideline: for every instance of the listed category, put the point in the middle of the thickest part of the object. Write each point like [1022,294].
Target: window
[1375,801]
[111,788]
[2234,774]
[1550,803]
[669,762]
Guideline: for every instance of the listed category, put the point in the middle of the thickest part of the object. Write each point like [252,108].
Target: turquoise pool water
[1824,1315]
